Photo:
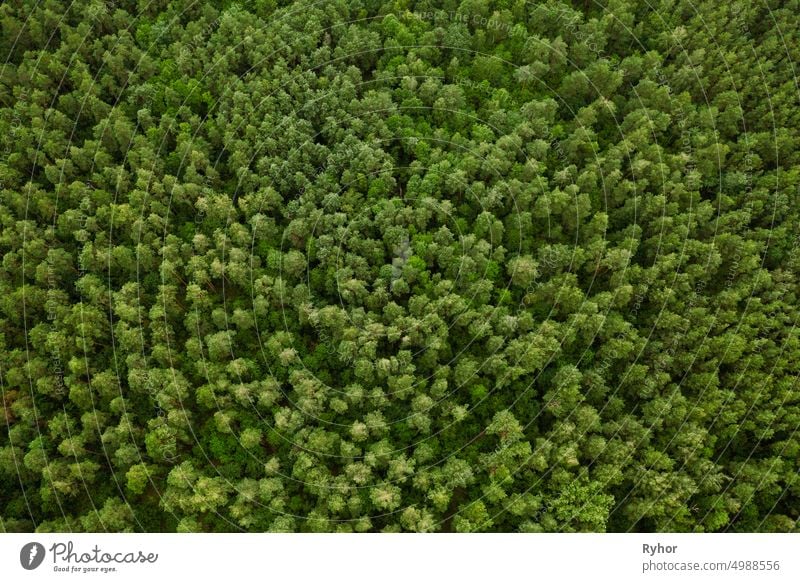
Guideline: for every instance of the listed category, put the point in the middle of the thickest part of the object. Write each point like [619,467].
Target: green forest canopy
[399,266]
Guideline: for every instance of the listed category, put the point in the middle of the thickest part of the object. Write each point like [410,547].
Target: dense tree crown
[399,265]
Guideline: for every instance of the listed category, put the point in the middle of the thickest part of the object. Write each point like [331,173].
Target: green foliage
[362,266]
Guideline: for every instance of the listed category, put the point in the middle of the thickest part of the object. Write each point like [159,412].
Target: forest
[399,266]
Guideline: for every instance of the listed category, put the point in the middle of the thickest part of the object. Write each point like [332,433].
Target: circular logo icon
[31,555]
